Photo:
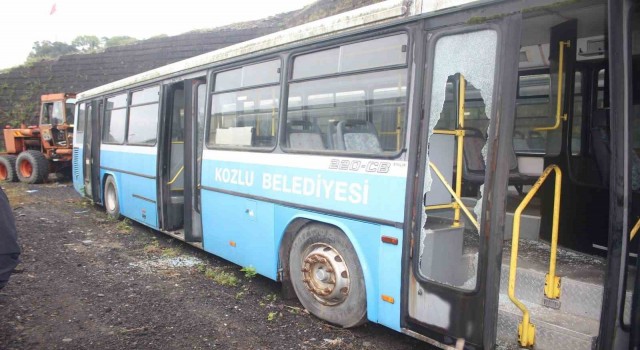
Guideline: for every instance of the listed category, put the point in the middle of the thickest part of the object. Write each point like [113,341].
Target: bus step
[529,226]
[554,329]
[582,279]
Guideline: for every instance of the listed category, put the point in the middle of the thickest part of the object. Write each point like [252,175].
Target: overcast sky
[22,22]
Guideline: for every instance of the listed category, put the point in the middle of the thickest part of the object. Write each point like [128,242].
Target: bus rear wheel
[111,202]
[8,168]
[327,276]
[32,167]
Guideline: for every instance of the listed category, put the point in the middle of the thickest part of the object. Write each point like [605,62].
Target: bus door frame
[191,225]
[613,334]
[91,150]
[479,307]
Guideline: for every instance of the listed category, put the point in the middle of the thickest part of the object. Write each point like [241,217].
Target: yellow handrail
[176,176]
[526,330]
[559,115]
[460,138]
[634,230]
[459,205]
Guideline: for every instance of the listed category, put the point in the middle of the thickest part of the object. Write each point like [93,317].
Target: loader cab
[56,119]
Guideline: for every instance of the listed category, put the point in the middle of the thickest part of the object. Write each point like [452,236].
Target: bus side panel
[381,263]
[389,278]
[137,191]
[240,230]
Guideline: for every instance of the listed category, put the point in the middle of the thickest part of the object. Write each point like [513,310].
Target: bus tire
[8,168]
[111,201]
[32,167]
[327,276]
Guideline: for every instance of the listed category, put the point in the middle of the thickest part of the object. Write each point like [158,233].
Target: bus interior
[562,119]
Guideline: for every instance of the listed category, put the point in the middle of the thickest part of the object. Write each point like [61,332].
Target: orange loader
[32,152]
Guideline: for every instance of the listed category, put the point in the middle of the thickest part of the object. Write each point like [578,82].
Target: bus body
[382,165]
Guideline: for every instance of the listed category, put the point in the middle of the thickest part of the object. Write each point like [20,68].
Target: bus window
[576,117]
[449,253]
[143,117]
[356,113]
[115,118]
[532,110]
[601,102]
[381,52]
[361,113]
[246,118]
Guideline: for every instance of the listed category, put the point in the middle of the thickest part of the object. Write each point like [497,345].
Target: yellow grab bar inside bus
[526,330]
[634,230]
[458,202]
[176,176]
[559,115]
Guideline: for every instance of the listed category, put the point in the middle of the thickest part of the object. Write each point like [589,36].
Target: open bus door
[617,331]
[91,151]
[181,157]
[452,272]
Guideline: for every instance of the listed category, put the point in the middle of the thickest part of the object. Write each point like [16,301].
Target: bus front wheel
[327,276]
[111,203]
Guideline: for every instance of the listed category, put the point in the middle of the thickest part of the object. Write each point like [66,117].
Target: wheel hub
[26,169]
[325,274]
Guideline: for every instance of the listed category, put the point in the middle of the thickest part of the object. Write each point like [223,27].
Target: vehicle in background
[32,152]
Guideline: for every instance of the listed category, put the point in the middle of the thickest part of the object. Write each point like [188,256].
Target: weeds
[272,315]
[170,252]
[152,248]
[249,271]
[124,226]
[240,295]
[270,298]
[221,277]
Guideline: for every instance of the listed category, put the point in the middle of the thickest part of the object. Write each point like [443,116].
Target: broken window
[463,73]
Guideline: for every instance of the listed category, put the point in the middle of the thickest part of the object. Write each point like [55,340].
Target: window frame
[407,66]
[129,94]
[158,116]
[104,116]
[211,92]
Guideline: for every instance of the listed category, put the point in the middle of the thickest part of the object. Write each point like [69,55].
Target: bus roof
[382,11]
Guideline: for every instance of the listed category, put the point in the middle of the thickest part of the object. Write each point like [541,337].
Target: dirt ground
[88,282]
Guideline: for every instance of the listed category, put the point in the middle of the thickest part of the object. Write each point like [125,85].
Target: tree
[118,40]
[49,50]
[86,43]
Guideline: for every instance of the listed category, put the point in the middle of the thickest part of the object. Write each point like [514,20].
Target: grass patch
[249,271]
[170,252]
[152,248]
[17,194]
[272,315]
[124,226]
[221,277]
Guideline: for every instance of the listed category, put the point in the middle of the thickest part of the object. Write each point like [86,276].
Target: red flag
[53,9]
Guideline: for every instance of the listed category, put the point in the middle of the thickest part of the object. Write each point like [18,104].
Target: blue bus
[389,164]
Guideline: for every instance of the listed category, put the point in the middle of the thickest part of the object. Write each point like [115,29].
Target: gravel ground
[88,282]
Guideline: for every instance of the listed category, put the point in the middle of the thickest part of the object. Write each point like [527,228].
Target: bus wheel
[8,168]
[32,167]
[327,276]
[111,204]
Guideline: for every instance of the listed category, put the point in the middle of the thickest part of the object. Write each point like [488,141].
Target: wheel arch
[294,226]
